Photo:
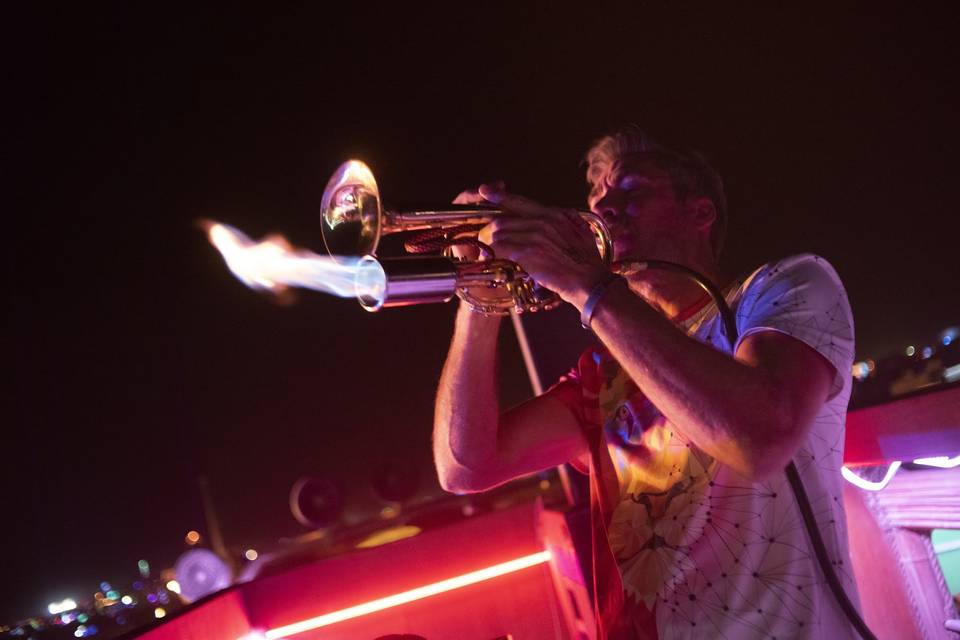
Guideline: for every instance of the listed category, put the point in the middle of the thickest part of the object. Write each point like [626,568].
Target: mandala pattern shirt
[701,550]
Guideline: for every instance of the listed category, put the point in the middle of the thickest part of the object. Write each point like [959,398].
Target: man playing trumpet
[697,533]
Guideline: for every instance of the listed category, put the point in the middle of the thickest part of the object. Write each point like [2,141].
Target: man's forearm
[736,412]
[467,408]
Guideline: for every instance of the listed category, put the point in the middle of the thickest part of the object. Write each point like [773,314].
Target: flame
[274,265]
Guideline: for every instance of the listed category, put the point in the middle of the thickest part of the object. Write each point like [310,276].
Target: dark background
[137,362]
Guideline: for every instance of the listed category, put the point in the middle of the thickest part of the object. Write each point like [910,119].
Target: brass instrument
[354,220]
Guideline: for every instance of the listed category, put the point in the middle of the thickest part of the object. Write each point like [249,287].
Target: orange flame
[274,265]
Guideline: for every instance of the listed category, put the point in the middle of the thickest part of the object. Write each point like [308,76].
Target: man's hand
[555,246]
[471,196]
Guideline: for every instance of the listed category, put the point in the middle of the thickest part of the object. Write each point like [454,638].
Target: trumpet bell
[350,212]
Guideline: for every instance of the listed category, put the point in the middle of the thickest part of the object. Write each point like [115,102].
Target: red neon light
[404,597]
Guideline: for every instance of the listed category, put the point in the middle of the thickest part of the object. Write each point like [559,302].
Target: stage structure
[523,571]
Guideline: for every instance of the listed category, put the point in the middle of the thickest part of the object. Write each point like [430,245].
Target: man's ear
[704,212]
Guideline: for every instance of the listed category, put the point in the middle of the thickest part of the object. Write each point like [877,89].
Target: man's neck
[672,293]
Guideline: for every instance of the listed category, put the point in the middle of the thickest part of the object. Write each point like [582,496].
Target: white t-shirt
[710,553]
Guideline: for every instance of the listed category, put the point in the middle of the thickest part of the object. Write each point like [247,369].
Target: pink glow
[411,595]
[943,462]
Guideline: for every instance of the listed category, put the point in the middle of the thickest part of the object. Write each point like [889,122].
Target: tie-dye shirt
[701,550]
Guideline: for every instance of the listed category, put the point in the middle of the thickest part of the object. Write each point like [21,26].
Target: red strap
[690,311]
[610,609]
[607,584]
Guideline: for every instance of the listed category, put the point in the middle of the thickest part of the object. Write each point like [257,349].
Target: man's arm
[750,412]
[474,447]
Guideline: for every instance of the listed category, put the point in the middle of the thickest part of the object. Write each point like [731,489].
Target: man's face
[636,199]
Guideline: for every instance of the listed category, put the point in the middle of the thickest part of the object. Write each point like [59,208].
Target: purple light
[152,598]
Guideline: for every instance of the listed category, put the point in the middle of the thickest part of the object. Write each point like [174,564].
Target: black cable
[820,550]
[726,315]
[793,474]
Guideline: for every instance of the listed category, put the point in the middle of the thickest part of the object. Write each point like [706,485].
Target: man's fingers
[566,227]
[578,230]
[511,202]
[473,196]
[470,196]
[504,227]
[576,219]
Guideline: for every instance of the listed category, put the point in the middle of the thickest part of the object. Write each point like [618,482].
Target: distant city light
[173,586]
[250,554]
[911,350]
[949,335]
[193,537]
[105,586]
[144,568]
[159,612]
[861,370]
[82,617]
[127,600]
[926,353]
[113,595]
[56,608]
[952,374]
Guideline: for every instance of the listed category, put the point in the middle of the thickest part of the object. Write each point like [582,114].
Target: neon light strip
[942,462]
[869,485]
[409,596]
[947,547]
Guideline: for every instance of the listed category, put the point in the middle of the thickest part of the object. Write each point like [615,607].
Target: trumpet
[354,220]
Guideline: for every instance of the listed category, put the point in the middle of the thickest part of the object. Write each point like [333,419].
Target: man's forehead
[642,162]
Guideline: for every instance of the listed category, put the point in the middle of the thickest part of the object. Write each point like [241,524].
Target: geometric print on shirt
[709,552]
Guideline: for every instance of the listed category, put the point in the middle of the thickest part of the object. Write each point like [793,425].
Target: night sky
[138,362]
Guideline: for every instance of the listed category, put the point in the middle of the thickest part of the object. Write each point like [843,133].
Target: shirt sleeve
[568,390]
[801,296]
